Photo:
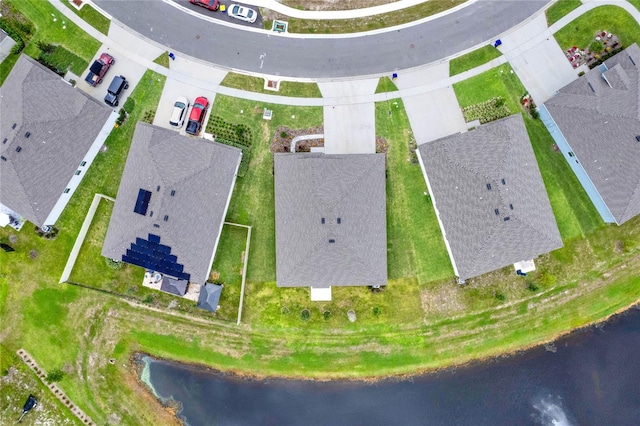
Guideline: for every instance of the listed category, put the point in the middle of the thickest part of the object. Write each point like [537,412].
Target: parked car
[207,4]
[180,107]
[199,110]
[118,85]
[99,68]
[242,13]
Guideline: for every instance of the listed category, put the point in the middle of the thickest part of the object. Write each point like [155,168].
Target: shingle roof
[177,287]
[209,297]
[62,121]
[349,188]
[488,229]
[601,126]
[195,177]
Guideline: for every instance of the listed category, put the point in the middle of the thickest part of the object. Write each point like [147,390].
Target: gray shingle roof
[173,286]
[63,122]
[460,167]
[309,187]
[201,173]
[209,297]
[601,126]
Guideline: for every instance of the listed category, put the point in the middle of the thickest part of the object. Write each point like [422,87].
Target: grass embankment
[613,19]
[561,9]
[256,84]
[91,16]
[341,26]
[473,59]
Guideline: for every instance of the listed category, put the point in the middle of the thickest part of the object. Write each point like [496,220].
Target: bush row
[493,109]
[237,133]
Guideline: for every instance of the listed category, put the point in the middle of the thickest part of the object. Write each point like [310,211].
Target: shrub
[596,46]
[45,47]
[55,375]
[533,287]
[129,105]
[113,264]
[500,296]
[305,315]
[283,135]
[493,109]
[377,311]
[326,315]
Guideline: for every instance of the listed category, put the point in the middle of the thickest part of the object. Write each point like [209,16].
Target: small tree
[55,375]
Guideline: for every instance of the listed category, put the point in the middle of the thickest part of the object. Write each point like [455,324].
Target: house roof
[62,123]
[209,297]
[311,188]
[488,229]
[601,123]
[186,183]
[177,287]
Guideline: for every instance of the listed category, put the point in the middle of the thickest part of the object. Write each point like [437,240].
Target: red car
[196,117]
[207,4]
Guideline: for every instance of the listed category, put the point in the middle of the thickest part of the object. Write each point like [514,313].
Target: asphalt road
[313,57]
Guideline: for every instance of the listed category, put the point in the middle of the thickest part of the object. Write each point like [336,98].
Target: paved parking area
[349,116]
[130,69]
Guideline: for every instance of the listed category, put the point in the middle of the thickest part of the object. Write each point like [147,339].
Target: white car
[179,113]
[242,13]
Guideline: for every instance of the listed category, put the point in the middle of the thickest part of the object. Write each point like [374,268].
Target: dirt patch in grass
[444,299]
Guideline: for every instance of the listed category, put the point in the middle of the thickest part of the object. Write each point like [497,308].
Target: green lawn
[256,84]
[162,60]
[473,59]
[386,85]
[60,31]
[91,16]
[616,20]
[499,81]
[338,26]
[415,247]
[560,9]
[636,3]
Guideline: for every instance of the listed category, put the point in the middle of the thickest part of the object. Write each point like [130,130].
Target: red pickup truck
[98,69]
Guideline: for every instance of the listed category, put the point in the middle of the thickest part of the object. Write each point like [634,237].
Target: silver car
[179,113]
[242,13]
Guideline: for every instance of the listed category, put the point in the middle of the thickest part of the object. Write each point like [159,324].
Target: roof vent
[489,186]
[158,188]
[166,217]
[14,126]
[511,206]
[591,87]
[506,218]
[339,221]
[155,225]
[151,213]
[3,158]
[504,182]
[496,211]
[4,141]
[637,138]
[632,61]
[332,241]
[26,135]
[322,220]
[173,192]
[18,148]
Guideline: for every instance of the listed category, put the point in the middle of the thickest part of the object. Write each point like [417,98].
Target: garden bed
[284,135]
[236,135]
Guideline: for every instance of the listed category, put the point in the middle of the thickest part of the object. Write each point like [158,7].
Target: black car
[117,86]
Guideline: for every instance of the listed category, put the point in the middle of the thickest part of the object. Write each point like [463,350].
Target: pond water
[592,378]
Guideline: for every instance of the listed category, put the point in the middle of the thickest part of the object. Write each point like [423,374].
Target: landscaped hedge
[18,28]
[237,135]
[493,109]
[60,60]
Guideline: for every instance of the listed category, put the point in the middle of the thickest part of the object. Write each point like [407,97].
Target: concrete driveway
[349,116]
[538,59]
[122,66]
[189,79]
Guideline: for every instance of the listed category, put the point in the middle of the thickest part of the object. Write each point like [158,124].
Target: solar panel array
[152,255]
[142,203]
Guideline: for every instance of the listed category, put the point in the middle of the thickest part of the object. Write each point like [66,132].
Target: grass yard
[386,85]
[415,247]
[91,16]
[341,26]
[616,20]
[256,84]
[560,9]
[499,81]
[635,3]
[253,200]
[71,37]
[62,59]
[227,269]
[162,60]
[473,59]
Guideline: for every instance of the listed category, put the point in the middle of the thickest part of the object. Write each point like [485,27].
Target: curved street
[320,57]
